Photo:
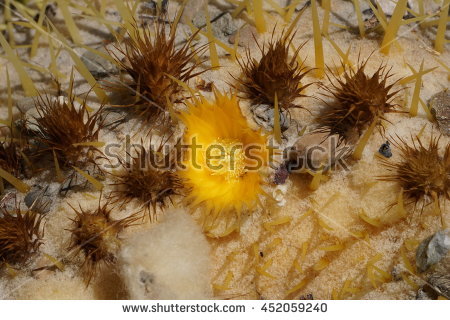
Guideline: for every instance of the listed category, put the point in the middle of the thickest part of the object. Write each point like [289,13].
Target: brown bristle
[96,235]
[149,61]
[274,73]
[13,153]
[143,181]
[62,126]
[20,235]
[422,173]
[358,100]
[11,159]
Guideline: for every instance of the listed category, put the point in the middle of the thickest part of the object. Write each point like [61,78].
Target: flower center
[226,157]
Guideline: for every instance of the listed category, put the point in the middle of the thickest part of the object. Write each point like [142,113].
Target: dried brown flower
[357,101]
[274,73]
[14,152]
[20,235]
[147,178]
[67,129]
[151,61]
[96,235]
[422,173]
[11,159]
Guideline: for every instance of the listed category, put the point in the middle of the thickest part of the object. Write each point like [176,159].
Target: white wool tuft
[169,261]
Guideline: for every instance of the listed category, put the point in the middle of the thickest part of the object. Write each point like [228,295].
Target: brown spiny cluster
[151,61]
[20,235]
[13,153]
[357,101]
[67,129]
[96,235]
[142,180]
[10,158]
[423,173]
[274,73]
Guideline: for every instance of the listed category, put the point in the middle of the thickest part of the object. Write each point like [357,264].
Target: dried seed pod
[68,130]
[153,62]
[10,158]
[422,173]
[96,235]
[20,235]
[274,73]
[13,152]
[357,101]
[145,179]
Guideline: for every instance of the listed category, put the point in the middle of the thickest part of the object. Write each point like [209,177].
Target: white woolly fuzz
[169,261]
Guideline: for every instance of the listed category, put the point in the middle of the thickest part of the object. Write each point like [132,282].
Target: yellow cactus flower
[225,168]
